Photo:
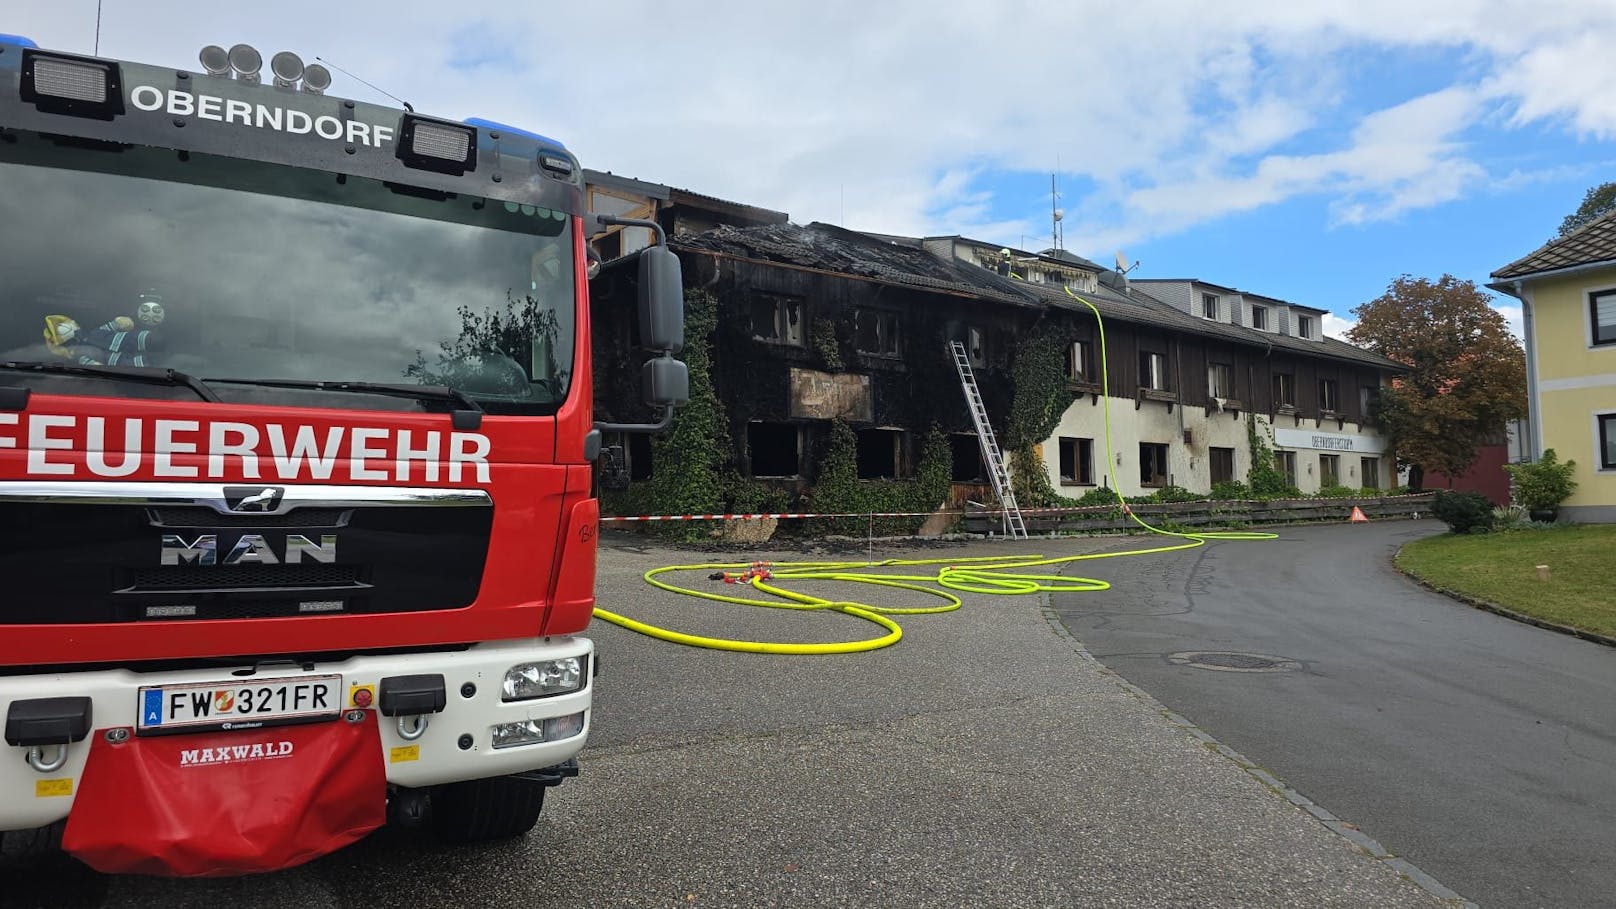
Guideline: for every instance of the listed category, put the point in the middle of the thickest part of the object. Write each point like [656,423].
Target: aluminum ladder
[1010,515]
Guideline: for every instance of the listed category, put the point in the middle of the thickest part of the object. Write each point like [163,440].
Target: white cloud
[889,116]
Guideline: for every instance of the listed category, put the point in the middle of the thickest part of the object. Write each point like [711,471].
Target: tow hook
[411,698]
[47,726]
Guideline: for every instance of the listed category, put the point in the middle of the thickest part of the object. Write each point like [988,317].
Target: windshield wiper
[468,416]
[153,375]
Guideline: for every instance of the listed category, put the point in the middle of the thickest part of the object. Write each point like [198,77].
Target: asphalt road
[983,761]
[1481,749]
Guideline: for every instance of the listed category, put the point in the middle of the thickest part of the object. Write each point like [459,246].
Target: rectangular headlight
[543,679]
[534,732]
[70,79]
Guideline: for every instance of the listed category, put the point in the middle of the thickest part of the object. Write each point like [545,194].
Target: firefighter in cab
[116,342]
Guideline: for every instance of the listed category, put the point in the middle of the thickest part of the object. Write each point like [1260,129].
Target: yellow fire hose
[996,575]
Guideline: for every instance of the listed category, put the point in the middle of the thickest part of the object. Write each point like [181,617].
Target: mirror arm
[664,423]
[655,228]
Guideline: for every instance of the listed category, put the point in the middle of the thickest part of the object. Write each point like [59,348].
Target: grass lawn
[1501,568]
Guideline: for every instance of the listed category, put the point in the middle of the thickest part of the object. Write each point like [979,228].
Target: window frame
[1304,326]
[1209,302]
[1166,475]
[1211,385]
[1082,450]
[1286,462]
[1369,469]
[1605,440]
[1212,455]
[1259,314]
[1147,374]
[1080,362]
[1594,298]
[1333,405]
[888,333]
[781,304]
[1335,461]
[1290,378]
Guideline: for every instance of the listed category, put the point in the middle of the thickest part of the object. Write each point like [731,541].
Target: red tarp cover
[226,803]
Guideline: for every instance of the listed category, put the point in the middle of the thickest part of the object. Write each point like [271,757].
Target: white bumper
[436,758]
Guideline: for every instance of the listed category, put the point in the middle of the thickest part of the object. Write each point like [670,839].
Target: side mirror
[662,300]
[665,382]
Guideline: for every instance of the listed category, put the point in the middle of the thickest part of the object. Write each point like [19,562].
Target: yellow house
[1568,292]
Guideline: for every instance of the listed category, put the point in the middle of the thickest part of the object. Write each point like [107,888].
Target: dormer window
[1209,306]
[1259,318]
[1304,326]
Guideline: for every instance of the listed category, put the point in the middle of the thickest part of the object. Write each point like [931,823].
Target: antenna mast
[1057,233]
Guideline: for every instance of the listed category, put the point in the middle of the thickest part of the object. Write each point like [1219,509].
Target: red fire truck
[296,455]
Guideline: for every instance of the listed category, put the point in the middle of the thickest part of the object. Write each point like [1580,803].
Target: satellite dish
[1122,262]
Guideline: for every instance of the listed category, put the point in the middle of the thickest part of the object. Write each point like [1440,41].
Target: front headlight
[543,679]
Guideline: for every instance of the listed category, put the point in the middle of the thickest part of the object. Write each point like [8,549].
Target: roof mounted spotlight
[316,79]
[287,68]
[215,60]
[246,61]
[72,85]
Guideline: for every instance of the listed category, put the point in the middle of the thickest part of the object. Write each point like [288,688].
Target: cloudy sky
[1309,150]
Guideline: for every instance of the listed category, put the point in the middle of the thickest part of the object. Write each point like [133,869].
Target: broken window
[877,332]
[1222,461]
[1080,362]
[1220,380]
[775,449]
[1153,464]
[1153,371]
[778,318]
[1284,390]
[967,454]
[880,454]
[1329,400]
[1076,462]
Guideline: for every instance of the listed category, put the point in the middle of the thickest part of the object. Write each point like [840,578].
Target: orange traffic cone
[1358,516]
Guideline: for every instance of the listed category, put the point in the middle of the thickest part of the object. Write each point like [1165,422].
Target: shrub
[1336,492]
[1463,512]
[1177,494]
[1099,495]
[1545,484]
[1230,489]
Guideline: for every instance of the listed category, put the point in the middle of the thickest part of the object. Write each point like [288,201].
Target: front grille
[202,516]
[241,577]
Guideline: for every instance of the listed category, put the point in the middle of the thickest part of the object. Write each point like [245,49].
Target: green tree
[1467,373]
[1600,200]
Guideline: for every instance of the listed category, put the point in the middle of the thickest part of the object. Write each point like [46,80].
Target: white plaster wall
[1307,459]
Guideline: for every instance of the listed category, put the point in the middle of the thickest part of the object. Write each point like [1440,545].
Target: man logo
[253,498]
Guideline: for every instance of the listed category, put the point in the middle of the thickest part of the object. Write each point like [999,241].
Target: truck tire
[489,809]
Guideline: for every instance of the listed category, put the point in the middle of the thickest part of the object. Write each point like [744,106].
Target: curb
[1344,829]
[1496,609]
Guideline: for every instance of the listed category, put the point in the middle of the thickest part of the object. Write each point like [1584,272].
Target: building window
[1153,371]
[1152,464]
[1286,461]
[1329,470]
[1607,441]
[1209,306]
[1080,362]
[1284,390]
[778,319]
[1369,468]
[976,347]
[880,454]
[967,457]
[1368,403]
[1602,312]
[1222,465]
[1304,326]
[1329,400]
[1220,380]
[775,449]
[1259,317]
[1076,462]
[877,332]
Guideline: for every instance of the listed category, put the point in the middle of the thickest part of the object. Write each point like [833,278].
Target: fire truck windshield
[232,269]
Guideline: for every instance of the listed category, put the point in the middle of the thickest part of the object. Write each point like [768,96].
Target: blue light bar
[501,127]
[17,39]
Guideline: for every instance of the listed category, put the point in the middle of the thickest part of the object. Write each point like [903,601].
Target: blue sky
[1311,151]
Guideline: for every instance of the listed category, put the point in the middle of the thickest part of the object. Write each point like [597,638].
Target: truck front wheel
[489,809]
